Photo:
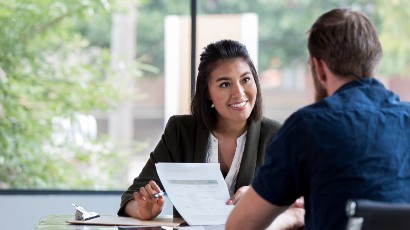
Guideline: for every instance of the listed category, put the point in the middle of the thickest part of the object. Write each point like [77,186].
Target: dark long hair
[212,54]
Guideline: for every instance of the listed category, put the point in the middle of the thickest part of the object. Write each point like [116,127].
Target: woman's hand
[239,193]
[292,218]
[146,206]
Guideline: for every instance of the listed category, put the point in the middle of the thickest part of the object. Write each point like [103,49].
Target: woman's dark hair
[209,58]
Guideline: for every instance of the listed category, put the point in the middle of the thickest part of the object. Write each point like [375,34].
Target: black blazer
[185,141]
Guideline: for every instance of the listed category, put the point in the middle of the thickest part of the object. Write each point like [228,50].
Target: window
[85,86]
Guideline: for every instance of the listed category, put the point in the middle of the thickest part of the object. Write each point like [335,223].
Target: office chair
[376,215]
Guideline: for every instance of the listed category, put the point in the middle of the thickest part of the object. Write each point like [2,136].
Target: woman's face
[232,89]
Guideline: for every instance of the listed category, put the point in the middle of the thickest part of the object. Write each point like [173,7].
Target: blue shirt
[353,144]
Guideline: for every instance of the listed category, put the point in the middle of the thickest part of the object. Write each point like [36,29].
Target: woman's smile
[239,106]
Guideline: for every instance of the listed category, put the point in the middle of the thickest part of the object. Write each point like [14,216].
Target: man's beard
[320,92]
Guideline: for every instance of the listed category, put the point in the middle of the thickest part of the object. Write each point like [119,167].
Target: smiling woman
[232,92]
[226,126]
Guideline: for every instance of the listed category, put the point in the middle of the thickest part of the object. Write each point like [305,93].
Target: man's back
[361,142]
[353,144]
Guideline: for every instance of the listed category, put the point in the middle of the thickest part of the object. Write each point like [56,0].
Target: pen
[158,195]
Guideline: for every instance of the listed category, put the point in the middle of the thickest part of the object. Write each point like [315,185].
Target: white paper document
[197,190]
[203,227]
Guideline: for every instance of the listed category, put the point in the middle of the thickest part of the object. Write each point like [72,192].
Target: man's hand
[292,218]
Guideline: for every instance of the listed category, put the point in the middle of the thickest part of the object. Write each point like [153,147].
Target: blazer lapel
[250,153]
[201,144]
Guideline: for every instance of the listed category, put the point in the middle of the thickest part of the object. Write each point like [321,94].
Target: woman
[226,126]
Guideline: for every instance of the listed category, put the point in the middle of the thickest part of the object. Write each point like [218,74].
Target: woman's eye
[246,79]
[224,85]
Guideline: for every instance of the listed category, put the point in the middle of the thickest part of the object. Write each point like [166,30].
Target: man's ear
[320,69]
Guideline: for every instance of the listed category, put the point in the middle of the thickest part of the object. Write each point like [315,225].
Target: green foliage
[282,28]
[55,64]
[282,25]
[394,36]
[150,28]
[48,70]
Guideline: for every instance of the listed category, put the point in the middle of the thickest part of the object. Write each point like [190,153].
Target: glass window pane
[87,86]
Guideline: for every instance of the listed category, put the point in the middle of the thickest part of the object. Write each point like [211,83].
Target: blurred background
[87,86]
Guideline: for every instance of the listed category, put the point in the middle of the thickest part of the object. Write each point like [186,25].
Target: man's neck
[335,82]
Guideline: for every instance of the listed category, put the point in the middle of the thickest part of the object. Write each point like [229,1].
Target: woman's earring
[212,105]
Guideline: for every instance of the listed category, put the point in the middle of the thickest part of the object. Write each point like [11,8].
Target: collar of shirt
[212,157]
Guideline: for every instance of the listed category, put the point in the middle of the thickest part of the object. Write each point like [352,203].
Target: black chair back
[376,215]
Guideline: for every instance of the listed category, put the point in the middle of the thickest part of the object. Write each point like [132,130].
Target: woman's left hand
[239,193]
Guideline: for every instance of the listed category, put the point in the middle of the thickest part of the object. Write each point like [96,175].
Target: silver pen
[160,194]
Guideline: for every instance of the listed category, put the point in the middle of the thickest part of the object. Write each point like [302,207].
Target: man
[354,142]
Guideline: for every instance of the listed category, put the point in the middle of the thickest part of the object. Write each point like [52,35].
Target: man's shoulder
[300,120]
